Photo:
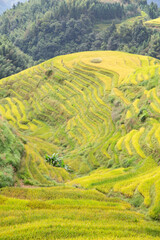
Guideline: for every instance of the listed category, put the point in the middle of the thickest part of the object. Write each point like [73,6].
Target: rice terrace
[100,112]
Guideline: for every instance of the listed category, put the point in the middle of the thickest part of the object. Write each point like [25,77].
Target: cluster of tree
[12,60]
[152,9]
[94,9]
[133,39]
[155,1]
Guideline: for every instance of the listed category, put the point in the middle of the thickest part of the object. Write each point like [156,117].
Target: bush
[48,73]
[56,161]
[11,150]
[96,60]
[143,114]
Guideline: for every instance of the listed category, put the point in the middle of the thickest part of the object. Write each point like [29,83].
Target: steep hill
[101,112]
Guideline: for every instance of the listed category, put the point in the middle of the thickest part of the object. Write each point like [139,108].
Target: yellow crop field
[153,22]
[100,112]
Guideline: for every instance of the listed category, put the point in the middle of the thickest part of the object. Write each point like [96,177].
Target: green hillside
[100,111]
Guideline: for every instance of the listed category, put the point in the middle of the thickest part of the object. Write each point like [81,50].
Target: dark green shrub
[48,73]
[6,176]
[57,161]
[143,114]
[110,163]
[127,162]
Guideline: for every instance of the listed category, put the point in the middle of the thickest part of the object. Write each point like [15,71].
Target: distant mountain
[7,4]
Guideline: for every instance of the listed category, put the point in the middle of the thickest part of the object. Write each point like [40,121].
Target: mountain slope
[95,109]
[100,112]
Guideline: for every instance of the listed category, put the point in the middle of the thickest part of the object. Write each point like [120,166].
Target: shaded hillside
[44,29]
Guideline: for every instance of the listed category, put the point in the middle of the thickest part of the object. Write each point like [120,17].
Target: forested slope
[44,29]
[12,59]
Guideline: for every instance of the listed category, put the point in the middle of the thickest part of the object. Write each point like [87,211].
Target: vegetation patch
[96,60]
[11,150]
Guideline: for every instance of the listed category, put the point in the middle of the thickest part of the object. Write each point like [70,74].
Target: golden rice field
[153,23]
[101,112]
[70,213]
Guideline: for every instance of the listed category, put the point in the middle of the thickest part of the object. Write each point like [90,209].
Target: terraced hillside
[72,105]
[100,111]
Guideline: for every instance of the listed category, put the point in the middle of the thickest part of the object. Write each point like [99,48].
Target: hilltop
[40,30]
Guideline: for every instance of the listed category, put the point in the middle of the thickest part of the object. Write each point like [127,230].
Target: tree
[153,10]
